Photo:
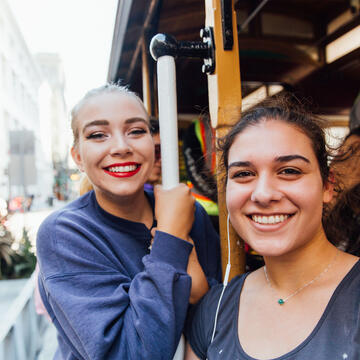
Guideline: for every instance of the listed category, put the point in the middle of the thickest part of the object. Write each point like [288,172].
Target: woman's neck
[293,270]
[134,207]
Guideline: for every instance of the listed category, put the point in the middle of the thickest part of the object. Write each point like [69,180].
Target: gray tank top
[335,337]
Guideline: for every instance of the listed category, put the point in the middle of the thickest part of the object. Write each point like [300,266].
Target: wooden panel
[224,88]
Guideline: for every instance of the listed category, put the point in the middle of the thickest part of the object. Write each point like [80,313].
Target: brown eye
[242,174]
[290,171]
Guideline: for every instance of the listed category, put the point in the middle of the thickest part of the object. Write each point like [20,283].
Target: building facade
[53,118]
[25,167]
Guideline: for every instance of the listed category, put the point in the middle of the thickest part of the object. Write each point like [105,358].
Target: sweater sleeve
[99,311]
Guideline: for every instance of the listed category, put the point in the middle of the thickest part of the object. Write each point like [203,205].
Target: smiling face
[275,191]
[114,146]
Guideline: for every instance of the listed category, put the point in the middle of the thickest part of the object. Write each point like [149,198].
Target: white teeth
[273,219]
[126,168]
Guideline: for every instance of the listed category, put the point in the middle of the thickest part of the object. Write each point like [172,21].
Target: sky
[80,31]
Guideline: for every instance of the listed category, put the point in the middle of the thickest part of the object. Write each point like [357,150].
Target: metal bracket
[207,35]
[164,44]
[227,24]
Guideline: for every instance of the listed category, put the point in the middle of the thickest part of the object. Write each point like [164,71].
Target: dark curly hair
[288,109]
[342,224]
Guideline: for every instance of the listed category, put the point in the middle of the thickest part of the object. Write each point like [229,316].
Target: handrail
[17,307]
[20,326]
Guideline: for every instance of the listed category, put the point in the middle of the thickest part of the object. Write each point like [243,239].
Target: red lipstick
[123,170]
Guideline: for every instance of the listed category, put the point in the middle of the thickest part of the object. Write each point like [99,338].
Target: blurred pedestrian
[155,174]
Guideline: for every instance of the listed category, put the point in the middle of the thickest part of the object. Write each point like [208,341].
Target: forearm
[199,283]
[189,353]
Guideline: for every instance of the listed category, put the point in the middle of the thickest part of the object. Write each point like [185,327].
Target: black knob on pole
[163,44]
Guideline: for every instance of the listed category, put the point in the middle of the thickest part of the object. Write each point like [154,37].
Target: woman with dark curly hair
[304,303]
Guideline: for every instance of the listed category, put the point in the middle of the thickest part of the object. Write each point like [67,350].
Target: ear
[77,158]
[329,188]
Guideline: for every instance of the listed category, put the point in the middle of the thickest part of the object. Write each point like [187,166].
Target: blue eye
[137,132]
[96,135]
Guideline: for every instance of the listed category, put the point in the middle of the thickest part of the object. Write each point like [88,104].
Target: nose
[265,191]
[120,145]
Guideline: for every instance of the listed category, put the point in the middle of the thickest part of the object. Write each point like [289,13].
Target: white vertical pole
[169,137]
[168,121]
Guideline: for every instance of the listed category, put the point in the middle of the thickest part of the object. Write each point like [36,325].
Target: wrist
[179,233]
[170,249]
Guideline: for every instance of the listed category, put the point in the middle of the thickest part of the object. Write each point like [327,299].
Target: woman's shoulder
[353,275]
[233,289]
[68,233]
[71,208]
[76,212]
[219,300]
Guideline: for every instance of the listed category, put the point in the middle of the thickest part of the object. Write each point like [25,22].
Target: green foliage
[25,257]
[6,253]
[18,263]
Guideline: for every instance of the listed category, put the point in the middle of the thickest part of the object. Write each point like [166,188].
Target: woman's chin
[269,249]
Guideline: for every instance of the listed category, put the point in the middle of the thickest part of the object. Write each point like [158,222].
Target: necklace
[281,301]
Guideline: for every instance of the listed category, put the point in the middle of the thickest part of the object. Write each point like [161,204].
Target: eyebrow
[136,119]
[287,158]
[106,122]
[280,159]
[95,123]
[239,164]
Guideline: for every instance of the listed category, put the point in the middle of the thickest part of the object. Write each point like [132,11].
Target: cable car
[230,54]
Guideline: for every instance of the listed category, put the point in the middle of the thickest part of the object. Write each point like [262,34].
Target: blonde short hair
[108,88]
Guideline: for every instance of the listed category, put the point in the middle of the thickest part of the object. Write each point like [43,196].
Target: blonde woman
[111,289]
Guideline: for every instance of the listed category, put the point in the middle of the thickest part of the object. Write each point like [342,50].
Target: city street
[30,220]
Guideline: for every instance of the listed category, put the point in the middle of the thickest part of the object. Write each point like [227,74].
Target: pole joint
[164,44]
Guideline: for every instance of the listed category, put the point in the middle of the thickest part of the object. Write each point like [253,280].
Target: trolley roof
[295,43]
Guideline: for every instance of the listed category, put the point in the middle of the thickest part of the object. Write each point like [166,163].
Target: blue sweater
[107,294]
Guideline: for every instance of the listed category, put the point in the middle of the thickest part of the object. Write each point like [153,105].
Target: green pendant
[281,302]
